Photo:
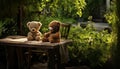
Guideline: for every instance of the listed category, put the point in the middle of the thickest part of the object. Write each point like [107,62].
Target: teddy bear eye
[30,27]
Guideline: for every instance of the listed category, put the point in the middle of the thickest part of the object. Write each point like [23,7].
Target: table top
[21,41]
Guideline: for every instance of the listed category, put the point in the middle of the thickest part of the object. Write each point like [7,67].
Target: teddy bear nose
[33,30]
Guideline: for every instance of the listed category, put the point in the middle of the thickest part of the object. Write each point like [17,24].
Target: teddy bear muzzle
[50,28]
[33,30]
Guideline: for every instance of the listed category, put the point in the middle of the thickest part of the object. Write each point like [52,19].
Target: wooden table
[19,42]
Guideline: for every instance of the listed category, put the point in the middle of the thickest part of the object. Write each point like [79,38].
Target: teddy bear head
[54,26]
[34,26]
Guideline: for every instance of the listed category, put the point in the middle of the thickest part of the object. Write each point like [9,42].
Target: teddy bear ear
[28,24]
[58,23]
[39,23]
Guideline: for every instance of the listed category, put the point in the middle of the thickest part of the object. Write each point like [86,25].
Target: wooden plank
[21,41]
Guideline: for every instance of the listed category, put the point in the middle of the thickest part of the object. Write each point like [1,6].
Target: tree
[93,8]
[113,17]
[22,11]
[57,8]
[116,52]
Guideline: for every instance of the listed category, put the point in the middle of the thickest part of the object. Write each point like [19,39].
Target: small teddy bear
[53,35]
[34,33]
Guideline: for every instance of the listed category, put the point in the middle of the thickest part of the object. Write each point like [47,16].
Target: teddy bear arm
[38,36]
[47,34]
[29,36]
[55,36]
[52,40]
[45,39]
[41,35]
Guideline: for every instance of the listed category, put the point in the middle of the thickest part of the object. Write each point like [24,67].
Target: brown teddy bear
[34,33]
[53,35]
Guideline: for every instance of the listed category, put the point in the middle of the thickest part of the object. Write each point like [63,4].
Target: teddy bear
[34,34]
[53,35]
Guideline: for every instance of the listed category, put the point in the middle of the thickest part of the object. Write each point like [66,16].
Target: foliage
[91,7]
[111,18]
[111,13]
[89,46]
[8,27]
[40,10]
[48,10]
[115,9]
[1,28]
[56,8]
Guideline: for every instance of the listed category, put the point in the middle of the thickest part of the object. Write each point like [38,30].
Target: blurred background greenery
[89,46]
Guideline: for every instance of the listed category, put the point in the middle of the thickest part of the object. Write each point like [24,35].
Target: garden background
[89,47]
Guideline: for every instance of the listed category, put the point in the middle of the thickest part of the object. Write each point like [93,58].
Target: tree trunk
[19,21]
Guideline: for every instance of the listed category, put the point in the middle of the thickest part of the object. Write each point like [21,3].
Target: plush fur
[53,35]
[34,33]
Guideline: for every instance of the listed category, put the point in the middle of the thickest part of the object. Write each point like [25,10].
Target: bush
[1,28]
[8,26]
[89,46]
